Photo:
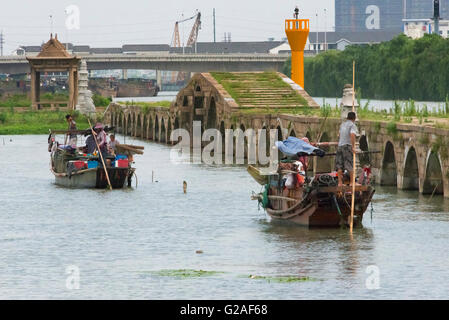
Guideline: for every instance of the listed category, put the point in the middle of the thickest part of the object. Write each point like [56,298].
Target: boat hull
[94,178]
[326,207]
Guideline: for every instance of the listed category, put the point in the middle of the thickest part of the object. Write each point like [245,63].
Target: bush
[100,101]
[3,117]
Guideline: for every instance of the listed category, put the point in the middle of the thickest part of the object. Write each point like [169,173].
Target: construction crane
[176,41]
[191,42]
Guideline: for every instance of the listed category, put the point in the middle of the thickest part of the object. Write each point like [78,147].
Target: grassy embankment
[259,90]
[38,122]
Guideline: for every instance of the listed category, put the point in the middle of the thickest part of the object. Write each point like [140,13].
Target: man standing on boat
[113,143]
[72,127]
[346,147]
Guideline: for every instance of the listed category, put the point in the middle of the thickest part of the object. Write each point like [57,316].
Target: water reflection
[322,251]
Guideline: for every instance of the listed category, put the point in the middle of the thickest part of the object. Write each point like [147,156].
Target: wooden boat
[95,178]
[70,176]
[318,203]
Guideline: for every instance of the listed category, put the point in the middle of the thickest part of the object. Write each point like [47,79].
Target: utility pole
[51,23]
[436,16]
[215,39]
[183,48]
[2,41]
[317,44]
[325,31]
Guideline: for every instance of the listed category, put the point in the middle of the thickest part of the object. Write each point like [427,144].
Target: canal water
[132,243]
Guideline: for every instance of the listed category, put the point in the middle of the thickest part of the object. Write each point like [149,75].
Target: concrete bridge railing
[168,62]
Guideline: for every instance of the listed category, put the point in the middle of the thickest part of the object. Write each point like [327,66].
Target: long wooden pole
[320,134]
[351,223]
[101,155]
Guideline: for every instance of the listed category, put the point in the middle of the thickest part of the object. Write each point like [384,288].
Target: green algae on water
[283,279]
[186,273]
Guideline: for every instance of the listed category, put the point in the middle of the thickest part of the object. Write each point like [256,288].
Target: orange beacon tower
[297,31]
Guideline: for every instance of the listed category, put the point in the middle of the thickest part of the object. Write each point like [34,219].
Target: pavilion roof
[53,49]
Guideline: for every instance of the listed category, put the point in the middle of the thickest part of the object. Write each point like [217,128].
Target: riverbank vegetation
[23,101]
[37,122]
[400,69]
[402,112]
[147,106]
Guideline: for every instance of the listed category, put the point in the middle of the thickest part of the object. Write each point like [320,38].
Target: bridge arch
[364,159]
[150,127]
[389,175]
[145,126]
[325,164]
[433,182]
[292,133]
[162,136]
[410,180]
[308,135]
[279,135]
[211,122]
[156,128]
[138,126]
[223,135]
[129,125]
[122,123]
[169,129]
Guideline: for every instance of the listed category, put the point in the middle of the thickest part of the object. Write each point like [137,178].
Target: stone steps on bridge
[262,90]
[271,106]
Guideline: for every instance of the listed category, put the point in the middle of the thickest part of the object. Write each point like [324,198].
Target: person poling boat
[346,147]
[289,194]
[93,165]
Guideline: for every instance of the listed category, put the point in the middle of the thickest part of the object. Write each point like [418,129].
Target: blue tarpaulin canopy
[292,146]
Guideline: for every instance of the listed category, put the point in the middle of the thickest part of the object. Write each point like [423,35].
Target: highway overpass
[167,62]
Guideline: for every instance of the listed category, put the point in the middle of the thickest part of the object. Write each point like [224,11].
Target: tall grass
[37,122]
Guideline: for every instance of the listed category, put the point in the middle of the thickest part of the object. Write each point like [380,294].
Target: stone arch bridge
[412,157]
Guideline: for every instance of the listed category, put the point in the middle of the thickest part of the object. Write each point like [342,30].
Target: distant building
[423,9]
[321,41]
[417,28]
[369,15]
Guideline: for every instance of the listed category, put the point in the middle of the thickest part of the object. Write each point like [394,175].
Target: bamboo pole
[320,134]
[351,223]
[101,155]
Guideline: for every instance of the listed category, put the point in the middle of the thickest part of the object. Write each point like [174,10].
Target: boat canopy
[292,146]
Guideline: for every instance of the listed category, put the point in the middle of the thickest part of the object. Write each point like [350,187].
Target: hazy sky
[106,23]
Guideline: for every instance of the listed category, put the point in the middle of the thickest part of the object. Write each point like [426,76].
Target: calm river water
[122,241]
